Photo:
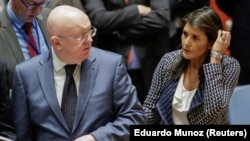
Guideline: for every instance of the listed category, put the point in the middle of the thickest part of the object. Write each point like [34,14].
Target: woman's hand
[222,42]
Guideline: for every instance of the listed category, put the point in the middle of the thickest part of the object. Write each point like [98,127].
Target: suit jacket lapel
[198,97]
[164,105]
[87,80]
[10,35]
[48,87]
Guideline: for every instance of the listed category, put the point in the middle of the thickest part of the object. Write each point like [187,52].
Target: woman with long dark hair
[193,85]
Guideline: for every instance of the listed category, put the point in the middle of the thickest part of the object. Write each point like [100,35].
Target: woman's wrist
[216,55]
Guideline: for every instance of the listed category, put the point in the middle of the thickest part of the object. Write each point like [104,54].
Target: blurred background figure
[137,29]
[2,4]
[75,3]
[239,11]
[23,33]
[7,129]
[179,8]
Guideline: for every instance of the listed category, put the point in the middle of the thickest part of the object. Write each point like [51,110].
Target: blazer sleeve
[20,108]
[220,81]
[108,18]
[157,21]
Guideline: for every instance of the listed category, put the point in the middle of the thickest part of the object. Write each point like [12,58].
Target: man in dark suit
[6,126]
[75,3]
[13,40]
[141,24]
[239,48]
[106,99]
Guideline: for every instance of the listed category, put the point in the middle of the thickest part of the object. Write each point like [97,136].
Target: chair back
[239,106]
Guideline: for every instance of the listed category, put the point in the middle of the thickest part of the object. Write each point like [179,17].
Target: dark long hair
[207,20]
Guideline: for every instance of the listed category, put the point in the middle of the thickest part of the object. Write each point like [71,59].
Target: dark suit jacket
[149,34]
[10,50]
[75,3]
[6,125]
[107,102]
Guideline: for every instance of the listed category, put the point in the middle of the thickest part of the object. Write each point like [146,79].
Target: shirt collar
[57,63]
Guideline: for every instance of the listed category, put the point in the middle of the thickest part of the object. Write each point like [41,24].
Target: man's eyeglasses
[33,5]
[84,36]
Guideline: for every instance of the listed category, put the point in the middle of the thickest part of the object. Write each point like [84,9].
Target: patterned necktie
[69,98]
[31,43]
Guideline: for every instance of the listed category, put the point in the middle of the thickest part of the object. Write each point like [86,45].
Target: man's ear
[55,42]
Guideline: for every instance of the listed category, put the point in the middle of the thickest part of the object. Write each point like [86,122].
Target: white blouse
[181,103]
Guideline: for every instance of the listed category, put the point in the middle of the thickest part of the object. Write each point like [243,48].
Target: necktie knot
[70,69]
[27,28]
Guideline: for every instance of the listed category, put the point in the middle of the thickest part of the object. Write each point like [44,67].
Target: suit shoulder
[33,62]
[104,53]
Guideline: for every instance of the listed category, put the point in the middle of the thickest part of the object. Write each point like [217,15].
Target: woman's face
[194,42]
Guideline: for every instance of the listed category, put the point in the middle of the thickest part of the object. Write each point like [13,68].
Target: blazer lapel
[10,35]
[164,105]
[198,97]
[87,80]
[46,78]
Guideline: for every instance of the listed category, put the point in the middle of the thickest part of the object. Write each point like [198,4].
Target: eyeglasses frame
[35,5]
[84,36]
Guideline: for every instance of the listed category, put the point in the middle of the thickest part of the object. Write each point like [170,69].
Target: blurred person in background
[7,130]
[179,8]
[75,3]
[136,29]
[13,38]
